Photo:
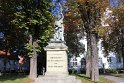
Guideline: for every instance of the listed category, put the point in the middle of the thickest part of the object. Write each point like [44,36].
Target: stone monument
[59,27]
[56,50]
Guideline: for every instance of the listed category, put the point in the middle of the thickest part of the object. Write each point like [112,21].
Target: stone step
[68,79]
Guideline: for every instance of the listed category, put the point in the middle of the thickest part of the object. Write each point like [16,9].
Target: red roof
[3,54]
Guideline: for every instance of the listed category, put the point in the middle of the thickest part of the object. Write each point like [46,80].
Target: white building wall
[76,60]
[114,59]
[102,59]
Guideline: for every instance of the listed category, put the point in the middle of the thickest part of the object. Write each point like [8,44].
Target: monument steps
[68,79]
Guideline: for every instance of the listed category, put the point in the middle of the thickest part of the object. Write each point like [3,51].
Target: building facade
[9,65]
[111,61]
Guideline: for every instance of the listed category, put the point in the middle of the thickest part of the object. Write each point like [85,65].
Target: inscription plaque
[57,61]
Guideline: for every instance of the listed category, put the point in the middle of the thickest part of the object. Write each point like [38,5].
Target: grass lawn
[87,80]
[119,75]
[10,78]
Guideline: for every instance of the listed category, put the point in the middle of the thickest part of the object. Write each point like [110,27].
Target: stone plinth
[56,60]
[68,79]
[57,64]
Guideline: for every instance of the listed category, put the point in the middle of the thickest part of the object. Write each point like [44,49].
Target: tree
[35,19]
[91,12]
[113,41]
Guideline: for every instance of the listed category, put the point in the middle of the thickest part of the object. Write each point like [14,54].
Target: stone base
[48,74]
[68,79]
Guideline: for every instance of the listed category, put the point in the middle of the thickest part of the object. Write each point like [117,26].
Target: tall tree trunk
[122,45]
[122,52]
[123,59]
[88,56]
[94,58]
[33,59]
[5,58]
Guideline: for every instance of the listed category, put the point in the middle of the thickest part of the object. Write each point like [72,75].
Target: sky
[56,9]
[1,35]
[114,3]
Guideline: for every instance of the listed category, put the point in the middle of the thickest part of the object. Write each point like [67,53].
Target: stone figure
[59,27]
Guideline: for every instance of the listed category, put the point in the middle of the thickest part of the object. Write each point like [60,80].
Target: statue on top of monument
[59,27]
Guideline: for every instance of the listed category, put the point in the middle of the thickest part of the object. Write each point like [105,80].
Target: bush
[101,70]
[115,70]
[121,70]
[72,71]
[83,70]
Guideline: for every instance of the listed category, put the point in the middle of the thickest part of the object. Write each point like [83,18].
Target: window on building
[83,61]
[109,59]
[100,60]
[74,62]
[118,59]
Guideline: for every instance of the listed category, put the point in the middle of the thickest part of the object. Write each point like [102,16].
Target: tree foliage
[26,17]
[36,18]
[73,30]
[13,38]
[114,37]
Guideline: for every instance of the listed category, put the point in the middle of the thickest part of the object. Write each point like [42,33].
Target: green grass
[88,80]
[104,80]
[118,75]
[14,78]
[10,78]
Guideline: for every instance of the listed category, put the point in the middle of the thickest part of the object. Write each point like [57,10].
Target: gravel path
[115,79]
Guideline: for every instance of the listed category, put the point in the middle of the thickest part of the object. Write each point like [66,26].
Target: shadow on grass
[86,79]
[82,77]
[118,75]
[13,77]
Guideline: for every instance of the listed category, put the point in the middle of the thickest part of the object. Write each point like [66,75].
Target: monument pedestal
[57,64]
[55,79]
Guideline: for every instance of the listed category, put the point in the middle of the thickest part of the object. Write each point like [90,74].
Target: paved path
[78,81]
[39,80]
[115,79]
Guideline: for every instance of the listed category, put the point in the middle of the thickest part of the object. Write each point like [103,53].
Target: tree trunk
[123,60]
[88,57]
[33,59]
[94,58]
[5,58]
[122,46]
[122,49]
[33,67]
